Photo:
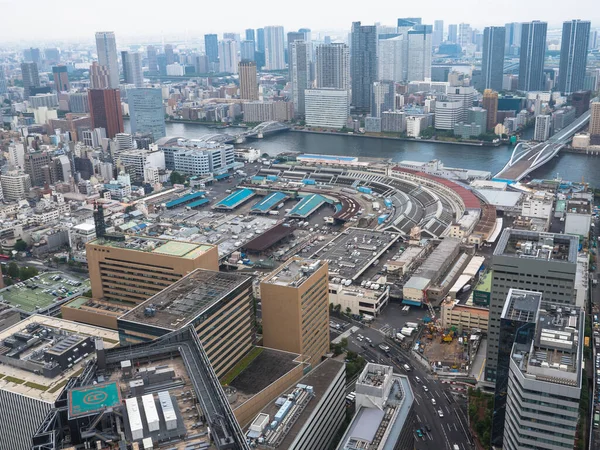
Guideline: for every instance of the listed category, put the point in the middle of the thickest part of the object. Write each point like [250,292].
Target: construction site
[446,348]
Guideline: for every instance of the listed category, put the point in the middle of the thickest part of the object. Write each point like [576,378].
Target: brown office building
[99,76]
[105,109]
[218,304]
[295,308]
[581,101]
[125,273]
[248,80]
[595,124]
[61,78]
[490,103]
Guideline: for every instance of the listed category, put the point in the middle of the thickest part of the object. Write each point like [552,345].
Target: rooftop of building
[372,427]
[31,338]
[179,304]
[521,305]
[485,282]
[435,261]
[578,207]
[294,272]
[187,250]
[537,245]
[350,253]
[318,380]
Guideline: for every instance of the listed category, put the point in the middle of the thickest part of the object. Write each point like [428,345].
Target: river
[569,166]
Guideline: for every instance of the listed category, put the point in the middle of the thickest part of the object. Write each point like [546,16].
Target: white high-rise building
[447,114]
[15,185]
[274,48]
[333,66]
[16,155]
[464,34]
[106,46]
[543,127]
[419,53]
[464,94]
[228,56]
[438,33]
[132,68]
[327,108]
[392,59]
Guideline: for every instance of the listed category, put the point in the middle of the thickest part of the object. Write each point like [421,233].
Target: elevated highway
[529,156]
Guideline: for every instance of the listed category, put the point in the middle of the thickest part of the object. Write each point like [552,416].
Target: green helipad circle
[95,397]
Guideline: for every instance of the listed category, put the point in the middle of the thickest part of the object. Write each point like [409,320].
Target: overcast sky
[28,20]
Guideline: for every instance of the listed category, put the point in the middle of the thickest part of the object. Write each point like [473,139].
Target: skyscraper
[248,81]
[52,56]
[490,104]
[522,260]
[106,46]
[169,54]
[333,67]
[292,36]
[152,61]
[438,33]
[512,41]
[393,58]
[250,35]
[274,48]
[247,51]
[132,68]
[260,40]
[464,34]
[211,46]
[595,123]
[363,64]
[300,74]
[383,97]
[99,76]
[147,112]
[419,53]
[492,65]
[573,55]
[61,78]
[228,59]
[31,77]
[105,110]
[453,33]
[531,61]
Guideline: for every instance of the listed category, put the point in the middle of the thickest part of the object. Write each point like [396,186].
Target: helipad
[90,400]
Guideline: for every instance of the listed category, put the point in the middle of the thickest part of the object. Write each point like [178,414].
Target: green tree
[337,308]
[27,272]
[20,245]
[348,311]
[176,178]
[8,281]
[13,270]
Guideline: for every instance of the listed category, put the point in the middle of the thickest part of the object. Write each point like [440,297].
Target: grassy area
[13,380]
[39,387]
[481,407]
[58,387]
[239,367]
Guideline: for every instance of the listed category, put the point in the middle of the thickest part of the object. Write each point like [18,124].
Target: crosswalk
[387,330]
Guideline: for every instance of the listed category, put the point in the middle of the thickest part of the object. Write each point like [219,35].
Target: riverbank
[407,139]
[215,125]
[581,151]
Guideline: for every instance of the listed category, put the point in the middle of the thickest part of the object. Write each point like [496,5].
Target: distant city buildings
[532,54]
[31,78]
[248,80]
[419,53]
[573,55]
[492,65]
[61,78]
[363,64]
[274,48]
[211,46]
[300,74]
[132,68]
[228,56]
[332,66]
[106,46]
[147,112]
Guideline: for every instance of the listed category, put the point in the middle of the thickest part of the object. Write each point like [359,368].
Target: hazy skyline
[70,19]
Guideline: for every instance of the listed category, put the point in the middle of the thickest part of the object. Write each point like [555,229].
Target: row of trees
[14,272]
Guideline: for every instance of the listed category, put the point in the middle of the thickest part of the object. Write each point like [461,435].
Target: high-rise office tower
[333,66]
[419,53]
[247,51]
[232,36]
[383,97]
[211,47]
[260,39]
[248,80]
[409,21]
[532,53]
[3,82]
[52,56]
[61,78]
[31,77]
[492,65]
[250,35]
[543,128]
[169,54]
[544,262]
[132,68]
[106,46]
[292,36]
[99,76]
[453,33]
[152,61]
[464,94]
[490,104]
[147,112]
[595,123]
[105,110]
[295,308]
[300,74]
[363,64]
[392,56]
[34,55]
[573,55]
[438,33]
[465,34]
[308,39]
[228,58]
[512,38]
[274,48]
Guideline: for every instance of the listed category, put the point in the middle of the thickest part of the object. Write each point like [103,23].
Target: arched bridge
[258,132]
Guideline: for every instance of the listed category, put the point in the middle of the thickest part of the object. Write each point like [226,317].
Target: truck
[274,213]
[376,206]
[400,337]
[411,325]
[407,331]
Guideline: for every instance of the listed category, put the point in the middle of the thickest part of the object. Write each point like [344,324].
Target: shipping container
[168,411]
[135,419]
[365,190]
[151,412]
[308,181]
